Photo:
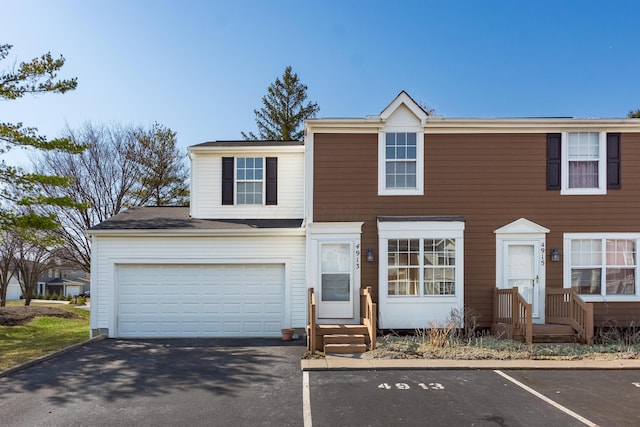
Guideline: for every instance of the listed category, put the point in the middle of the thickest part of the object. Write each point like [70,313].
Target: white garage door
[200,300]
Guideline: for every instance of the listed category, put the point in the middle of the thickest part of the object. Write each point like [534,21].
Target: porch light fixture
[555,255]
[370,255]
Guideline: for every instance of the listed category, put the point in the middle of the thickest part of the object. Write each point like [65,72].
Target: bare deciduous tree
[103,178]
[34,256]
[7,262]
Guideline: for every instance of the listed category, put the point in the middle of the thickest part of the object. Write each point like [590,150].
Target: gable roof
[403,98]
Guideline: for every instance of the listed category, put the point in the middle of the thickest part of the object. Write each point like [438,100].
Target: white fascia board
[441,125]
[417,229]
[436,125]
[246,149]
[335,228]
[199,233]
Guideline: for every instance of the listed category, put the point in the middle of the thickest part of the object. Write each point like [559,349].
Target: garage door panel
[200,300]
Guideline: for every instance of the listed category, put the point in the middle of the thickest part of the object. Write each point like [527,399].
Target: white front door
[522,270]
[336,281]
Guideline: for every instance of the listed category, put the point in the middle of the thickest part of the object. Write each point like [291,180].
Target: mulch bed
[15,316]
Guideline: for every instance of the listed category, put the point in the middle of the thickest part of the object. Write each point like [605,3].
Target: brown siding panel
[489,179]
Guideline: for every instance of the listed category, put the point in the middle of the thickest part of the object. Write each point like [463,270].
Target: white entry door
[523,270]
[336,281]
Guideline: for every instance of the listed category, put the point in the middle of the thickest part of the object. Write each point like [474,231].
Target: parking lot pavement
[221,382]
[608,398]
[473,398]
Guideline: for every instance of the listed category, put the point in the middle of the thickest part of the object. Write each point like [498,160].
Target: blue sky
[202,67]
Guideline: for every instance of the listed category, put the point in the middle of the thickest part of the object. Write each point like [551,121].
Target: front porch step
[344,348]
[341,329]
[344,339]
[554,333]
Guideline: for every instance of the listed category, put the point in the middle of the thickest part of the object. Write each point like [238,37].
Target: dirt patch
[15,316]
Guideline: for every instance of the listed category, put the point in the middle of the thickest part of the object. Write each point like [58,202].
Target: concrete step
[344,339]
[344,348]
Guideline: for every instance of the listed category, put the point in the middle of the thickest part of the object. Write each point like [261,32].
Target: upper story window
[249,184]
[249,180]
[583,162]
[400,159]
[401,165]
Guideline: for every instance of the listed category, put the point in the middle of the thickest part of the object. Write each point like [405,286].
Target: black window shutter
[272,180]
[613,161]
[554,160]
[227,180]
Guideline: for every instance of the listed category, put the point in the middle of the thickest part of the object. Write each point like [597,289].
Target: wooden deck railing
[311,321]
[564,306]
[513,309]
[370,314]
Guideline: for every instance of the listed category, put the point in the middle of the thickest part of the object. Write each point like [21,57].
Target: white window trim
[420,230]
[235,181]
[602,167]
[603,297]
[382,161]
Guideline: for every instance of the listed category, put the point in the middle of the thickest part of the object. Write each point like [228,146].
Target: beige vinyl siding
[109,252]
[206,198]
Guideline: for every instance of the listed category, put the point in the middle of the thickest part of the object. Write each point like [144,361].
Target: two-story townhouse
[230,264]
[438,214]
[434,214]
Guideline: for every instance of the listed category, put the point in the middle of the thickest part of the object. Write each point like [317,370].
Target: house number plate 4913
[405,386]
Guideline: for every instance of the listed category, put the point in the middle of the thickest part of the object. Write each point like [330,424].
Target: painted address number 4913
[405,386]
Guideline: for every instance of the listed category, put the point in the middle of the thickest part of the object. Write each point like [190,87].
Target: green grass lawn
[41,336]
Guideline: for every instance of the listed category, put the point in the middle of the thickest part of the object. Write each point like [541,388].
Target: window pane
[583,174]
[391,139]
[401,139]
[411,139]
[586,280]
[584,145]
[621,252]
[621,281]
[586,252]
[439,280]
[403,259]
[390,153]
[336,287]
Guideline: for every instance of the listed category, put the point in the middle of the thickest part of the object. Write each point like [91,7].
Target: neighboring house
[63,279]
[231,264]
[433,214]
[449,210]
[14,292]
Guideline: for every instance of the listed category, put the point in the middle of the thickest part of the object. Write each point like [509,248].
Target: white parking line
[546,399]
[306,400]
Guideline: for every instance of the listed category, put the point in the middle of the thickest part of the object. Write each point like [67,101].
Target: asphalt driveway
[222,382]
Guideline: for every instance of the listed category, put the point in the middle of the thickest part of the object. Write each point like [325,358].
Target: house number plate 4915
[405,386]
